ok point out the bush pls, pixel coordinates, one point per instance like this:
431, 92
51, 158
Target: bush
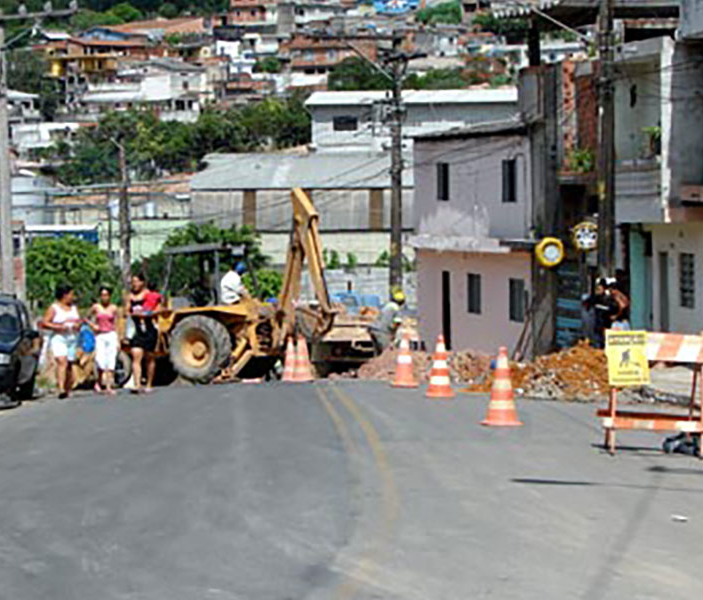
69, 260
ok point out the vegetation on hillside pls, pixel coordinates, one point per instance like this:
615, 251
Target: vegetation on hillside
156, 147
446, 12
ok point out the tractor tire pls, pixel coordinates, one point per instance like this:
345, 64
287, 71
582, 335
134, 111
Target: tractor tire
200, 347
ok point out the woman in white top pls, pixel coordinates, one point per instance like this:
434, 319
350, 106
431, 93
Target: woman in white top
63, 320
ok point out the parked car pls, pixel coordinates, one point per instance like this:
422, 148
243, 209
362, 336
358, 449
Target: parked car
19, 355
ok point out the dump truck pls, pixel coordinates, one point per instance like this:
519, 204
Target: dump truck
250, 336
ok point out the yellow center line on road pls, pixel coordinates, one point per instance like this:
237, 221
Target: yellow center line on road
367, 563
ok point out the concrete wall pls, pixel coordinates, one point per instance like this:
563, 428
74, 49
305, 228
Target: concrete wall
691, 19
419, 118
640, 82
486, 331
350, 209
475, 175
675, 239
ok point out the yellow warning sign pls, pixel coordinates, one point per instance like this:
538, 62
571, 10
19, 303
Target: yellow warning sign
627, 358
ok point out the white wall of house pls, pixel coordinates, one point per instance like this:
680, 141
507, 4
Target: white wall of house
675, 240
475, 180
491, 328
424, 113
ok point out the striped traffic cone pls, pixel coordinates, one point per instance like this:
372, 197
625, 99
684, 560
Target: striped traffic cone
303, 371
501, 408
289, 365
404, 366
440, 385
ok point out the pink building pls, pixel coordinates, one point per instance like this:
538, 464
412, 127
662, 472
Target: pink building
473, 215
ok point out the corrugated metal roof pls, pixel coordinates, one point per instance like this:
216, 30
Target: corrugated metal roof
582, 12
461, 96
285, 171
491, 128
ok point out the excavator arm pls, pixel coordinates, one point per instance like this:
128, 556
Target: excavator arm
305, 243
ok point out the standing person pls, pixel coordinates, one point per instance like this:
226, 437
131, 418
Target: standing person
143, 342
63, 320
104, 312
153, 298
605, 309
231, 287
621, 320
384, 328
588, 319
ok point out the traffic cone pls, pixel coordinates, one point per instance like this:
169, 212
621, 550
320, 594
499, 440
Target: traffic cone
289, 365
501, 408
404, 366
440, 385
303, 372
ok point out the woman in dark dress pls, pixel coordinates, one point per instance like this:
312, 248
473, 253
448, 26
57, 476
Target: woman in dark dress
143, 342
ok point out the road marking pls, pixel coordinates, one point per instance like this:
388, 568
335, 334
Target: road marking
366, 564
368, 561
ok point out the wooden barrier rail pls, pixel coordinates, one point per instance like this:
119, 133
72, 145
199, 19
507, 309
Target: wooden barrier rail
671, 349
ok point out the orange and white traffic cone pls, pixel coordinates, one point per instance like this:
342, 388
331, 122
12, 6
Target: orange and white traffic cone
501, 408
404, 366
440, 385
303, 371
289, 364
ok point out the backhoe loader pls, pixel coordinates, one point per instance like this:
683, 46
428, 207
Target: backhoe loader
250, 336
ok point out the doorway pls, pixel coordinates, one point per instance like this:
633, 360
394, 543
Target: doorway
446, 309
664, 291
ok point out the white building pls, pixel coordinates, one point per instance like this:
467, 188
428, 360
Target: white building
177, 90
344, 121
472, 214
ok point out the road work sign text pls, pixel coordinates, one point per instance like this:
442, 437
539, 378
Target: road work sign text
627, 358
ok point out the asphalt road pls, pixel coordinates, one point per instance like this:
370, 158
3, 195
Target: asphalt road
336, 491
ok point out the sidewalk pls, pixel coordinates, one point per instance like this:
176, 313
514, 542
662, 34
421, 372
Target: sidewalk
673, 381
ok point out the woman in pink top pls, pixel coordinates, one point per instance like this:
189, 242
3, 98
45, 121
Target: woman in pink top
104, 314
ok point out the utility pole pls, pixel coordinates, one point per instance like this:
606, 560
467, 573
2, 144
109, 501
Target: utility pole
398, 66
7, 275
396, 63
125, 219
6, 241
606, 142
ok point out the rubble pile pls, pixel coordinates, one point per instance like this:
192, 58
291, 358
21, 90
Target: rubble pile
469, 366
578, 373
383, 366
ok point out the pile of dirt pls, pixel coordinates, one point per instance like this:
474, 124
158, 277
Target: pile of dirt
579, 373
469, 366
382, 367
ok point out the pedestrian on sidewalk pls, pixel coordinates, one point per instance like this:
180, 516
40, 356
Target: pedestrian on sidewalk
621, 319
605, 308
63, 320
104, 315
145, 338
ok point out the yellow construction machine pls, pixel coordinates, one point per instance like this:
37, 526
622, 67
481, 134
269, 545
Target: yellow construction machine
250, 336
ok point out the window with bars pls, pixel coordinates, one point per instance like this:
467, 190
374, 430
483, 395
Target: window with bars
473, 282
687, 280
517, 300
510, 180
442, 181
345, 123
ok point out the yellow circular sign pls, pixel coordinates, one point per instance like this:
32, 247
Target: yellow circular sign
585, 236
550, 252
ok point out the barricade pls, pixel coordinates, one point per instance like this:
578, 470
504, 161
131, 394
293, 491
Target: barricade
672, 349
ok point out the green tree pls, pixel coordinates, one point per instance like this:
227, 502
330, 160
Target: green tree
354, 73
168, 10
269, 64
81, 264
26, 72
446, 12
514, 30
437, 79
126, 12
185, 277
85, 19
